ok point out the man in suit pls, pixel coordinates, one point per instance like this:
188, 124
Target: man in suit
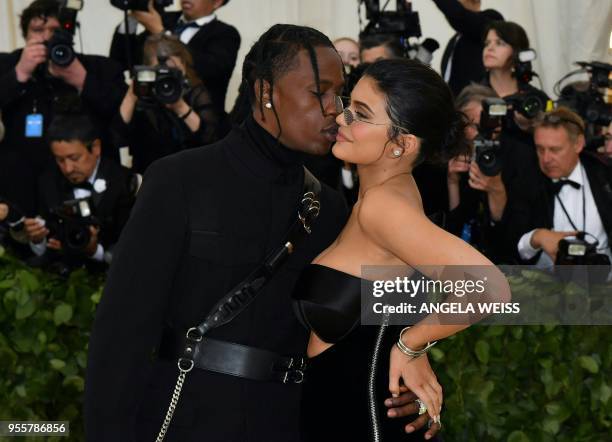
572, 194
34, 89
213, 44
104, 191
462, 59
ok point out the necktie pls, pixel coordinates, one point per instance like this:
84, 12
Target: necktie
556, 187
181, 26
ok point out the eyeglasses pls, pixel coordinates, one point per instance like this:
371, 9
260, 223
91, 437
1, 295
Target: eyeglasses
342, 104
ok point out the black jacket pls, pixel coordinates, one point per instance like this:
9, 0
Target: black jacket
533, 204
155, 131
24, 159
214, 49
111, 207
203, 220
467, 64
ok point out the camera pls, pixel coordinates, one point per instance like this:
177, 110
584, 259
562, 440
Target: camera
60, 47
589, 102
488, 152
161, 83
140, 5
580, 252
527, 104
70, 222
403, 22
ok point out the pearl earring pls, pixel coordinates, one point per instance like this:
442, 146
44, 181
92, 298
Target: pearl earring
397, 152
268, 105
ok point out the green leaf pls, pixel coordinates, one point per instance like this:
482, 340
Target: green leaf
62, 314
589, 364
24, 311
551, 425
75, 381
517, 436
21, 390
436, 354
57, 364
482, 351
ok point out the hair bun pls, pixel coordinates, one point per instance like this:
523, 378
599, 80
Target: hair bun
455, 143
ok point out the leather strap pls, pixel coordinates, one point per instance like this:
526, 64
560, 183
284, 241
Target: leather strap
234, 359
238, 299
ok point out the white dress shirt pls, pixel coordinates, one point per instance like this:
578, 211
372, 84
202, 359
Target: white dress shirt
40, 248
188, 33
572, 200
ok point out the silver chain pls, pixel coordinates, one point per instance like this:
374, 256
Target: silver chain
173, 402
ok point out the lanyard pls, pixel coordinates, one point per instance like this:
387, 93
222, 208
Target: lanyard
583, 207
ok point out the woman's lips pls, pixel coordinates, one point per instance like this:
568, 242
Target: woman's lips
340, 138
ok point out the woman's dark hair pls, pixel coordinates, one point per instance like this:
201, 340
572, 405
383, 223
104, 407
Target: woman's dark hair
38, 9
159, 45
270, 57
73, 127
418, 100
511, 33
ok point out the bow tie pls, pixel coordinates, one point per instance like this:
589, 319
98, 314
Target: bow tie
85, 185
556, 187
181, 26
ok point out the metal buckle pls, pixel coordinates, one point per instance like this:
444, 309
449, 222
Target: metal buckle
192, 330
180, 366
293, 377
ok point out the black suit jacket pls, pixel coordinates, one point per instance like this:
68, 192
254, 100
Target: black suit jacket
214, 49
23, 160
532, 206
467, 64
203, 220
111, 207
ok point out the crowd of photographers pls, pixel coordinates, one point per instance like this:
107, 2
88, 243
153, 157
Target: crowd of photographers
76, 136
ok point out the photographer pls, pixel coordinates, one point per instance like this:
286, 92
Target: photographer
379, 47
462, 58
571, 195
102, 191
503, 43
213, 44
35, 88
183, 117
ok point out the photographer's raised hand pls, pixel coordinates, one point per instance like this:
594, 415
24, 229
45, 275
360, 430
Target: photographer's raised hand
33, 54
150, 19
35, 230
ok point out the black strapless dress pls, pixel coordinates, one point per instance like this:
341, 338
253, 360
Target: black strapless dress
346, 385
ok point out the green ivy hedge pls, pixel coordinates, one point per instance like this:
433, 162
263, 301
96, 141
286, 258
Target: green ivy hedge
514, 384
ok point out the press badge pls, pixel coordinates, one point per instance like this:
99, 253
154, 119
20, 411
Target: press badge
34, 126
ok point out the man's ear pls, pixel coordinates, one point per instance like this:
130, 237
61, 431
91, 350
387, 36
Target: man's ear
265, 99
96, 147
580, 143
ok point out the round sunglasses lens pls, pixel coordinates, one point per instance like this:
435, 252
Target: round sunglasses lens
339, 104
348, 116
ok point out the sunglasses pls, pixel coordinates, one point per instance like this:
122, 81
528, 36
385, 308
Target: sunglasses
342, 104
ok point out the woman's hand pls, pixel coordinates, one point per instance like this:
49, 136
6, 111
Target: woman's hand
418, 376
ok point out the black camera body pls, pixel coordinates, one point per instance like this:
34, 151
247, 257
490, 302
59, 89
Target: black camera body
161, 83
403, 22
580, 252
140, 5
70, 222
527, 104
60, 47
488, 152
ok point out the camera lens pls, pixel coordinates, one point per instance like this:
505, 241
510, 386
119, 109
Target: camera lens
61, 55
77, 237
531, 106
168, 90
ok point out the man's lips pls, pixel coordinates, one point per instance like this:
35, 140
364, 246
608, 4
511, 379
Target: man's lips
330, 132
